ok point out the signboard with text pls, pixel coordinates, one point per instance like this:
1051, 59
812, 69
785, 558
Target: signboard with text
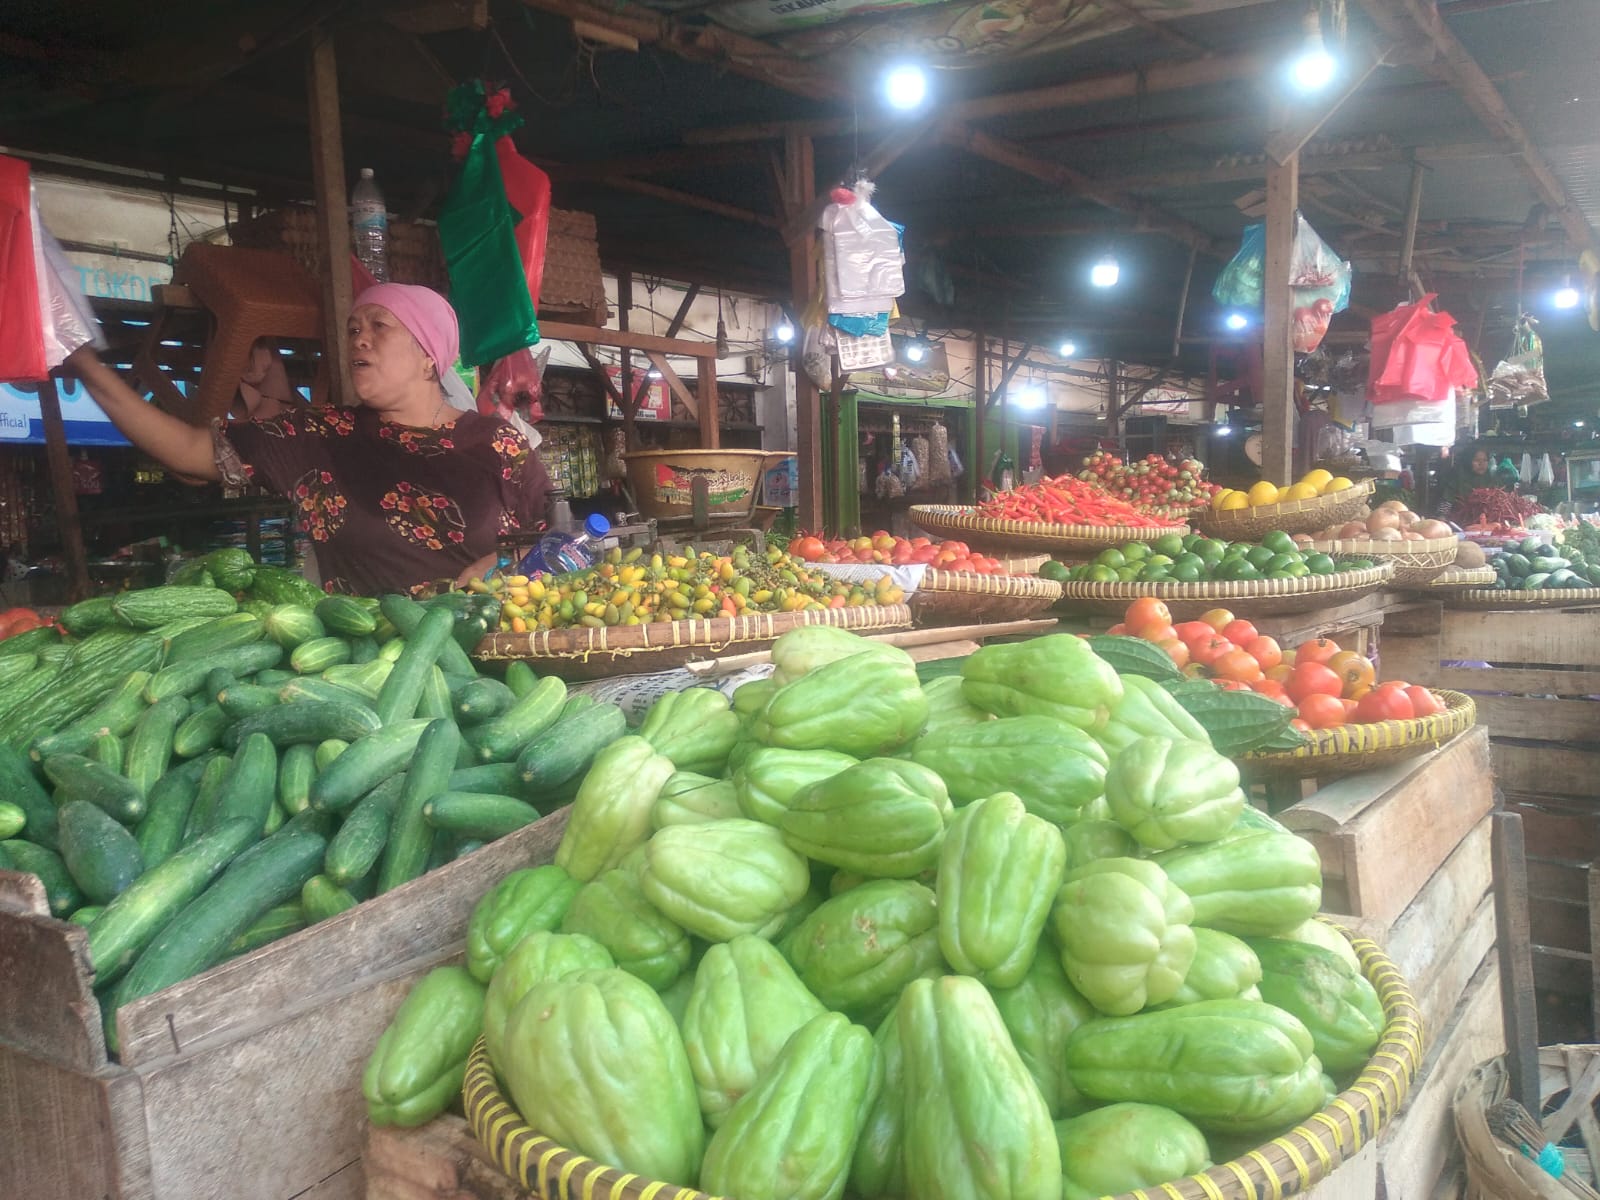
86, 425
656, 404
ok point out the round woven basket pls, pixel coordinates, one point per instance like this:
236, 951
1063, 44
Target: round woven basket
1250, 597
1291, 516
1496, 1171
1455, 577
1418, 562
952, 597
1505, 598
584, 653
991, 533
1351, 748
1285, 1166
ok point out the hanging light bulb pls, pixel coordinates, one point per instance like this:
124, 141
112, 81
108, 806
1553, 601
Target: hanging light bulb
1313, 68
905, 87
1566, 295
1236, 321
1067, 349
784, 332
1106, 272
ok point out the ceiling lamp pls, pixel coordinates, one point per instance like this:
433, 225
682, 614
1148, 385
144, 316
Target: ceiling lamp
784, 332
1236, 321
1067, 349
1313, 68
1567, 296
905, 87
1030, 397
1106, 272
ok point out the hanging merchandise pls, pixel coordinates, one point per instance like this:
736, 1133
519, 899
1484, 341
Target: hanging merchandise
1416, 356
1519, 378
1319, 281
1239, 284
939, 455
1547, 473
864, 264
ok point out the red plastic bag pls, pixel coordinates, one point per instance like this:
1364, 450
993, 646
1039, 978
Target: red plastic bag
22, 357
528, 190
1416, 355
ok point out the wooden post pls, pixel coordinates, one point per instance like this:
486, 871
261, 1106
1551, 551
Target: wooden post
333, 214
800, 186
1114, 405
706, 393
1277, 359
980, 411
1408, 239
59, 462
1516, 957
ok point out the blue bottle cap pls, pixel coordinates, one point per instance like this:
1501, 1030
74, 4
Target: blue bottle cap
597, 525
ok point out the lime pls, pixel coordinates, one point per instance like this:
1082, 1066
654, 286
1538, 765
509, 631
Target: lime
1356, 564
1209, 550
1134, 551
1100, 573
1188, 571
1159, 560
1247, 570
1111, 557
1279, 564
1128, 574
1051, 569
1189, 540
1259, 556
1170, 544
1320, 564
1188, 560
1297, 570
1278, 541
1154, 574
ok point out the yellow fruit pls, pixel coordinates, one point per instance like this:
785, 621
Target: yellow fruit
1218, 497
1337, 484
1317, 478
1234, 500
1262, 493
1301, 491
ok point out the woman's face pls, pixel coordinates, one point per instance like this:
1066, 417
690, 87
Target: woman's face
386, 362
1480, 462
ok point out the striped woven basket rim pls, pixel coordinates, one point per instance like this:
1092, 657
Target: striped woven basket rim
712, 634
1505, 598
1423, 553
974, 584
955, 516
1285, 1166
1381, 737
1235, 589
1462, 577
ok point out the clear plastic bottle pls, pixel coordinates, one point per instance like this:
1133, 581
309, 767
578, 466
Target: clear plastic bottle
558, 552
369, 226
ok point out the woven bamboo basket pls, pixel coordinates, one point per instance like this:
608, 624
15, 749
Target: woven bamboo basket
1285, 1166
1291, 516
1460, 577
1567, 1084
991, 533
1023, 564
1414, 562
1351, 748
584, 653
1249, 598
1505, 598
953, 597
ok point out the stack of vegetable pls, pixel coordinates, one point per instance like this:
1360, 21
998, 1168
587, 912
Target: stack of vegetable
1155, 484
1010, 933
1534, 564
1065, 500
196, 775
1194, 558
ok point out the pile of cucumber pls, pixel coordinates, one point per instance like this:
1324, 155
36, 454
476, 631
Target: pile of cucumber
1537, 566
243, 770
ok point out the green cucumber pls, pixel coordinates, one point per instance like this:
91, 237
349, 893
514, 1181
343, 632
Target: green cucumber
147, 608
410, 836
478, 700
88, 616
87, 915
60, 891
276, 818
291, 624
367, 763
363, 649
279, 585
406, 615
117, 714
101, 856
274, 677
217, 681
170, 800
391, 650
108, 750
500, 778
251, 788
311, 721
520, 678
224, 633
310, 687
20, 786
326, 752
317, 655
366, 678
241, 700
78, 778
467, 847
130, 921
581, 702
277, 922
297, 767
150, 745
266, 874
12, 820
232, 567
182, 678
322, 898
200, 731
30, 641
358, 845
501, 739
402, 690
345, 616
478, 814
564, 751
435, 700
14, 666
208, 795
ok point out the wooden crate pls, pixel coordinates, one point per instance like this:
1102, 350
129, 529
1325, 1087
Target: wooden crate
243, 1081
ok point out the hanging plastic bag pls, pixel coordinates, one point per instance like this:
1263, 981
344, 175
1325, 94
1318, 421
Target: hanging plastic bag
1416, 355
1313, 265
1309, 318
1547, 473
1315, 271
513, 390
865, 265
1240, 283
21, 319
1519, 378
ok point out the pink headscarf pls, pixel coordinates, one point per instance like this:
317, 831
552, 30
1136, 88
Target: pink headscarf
425, 314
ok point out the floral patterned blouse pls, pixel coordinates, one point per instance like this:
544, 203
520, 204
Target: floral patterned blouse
390, 507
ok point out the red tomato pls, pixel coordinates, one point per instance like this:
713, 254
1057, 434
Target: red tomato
1189, 630
1264, 650
1272, 690
1318, 650
1231, 685
1157, 633
1119, 630
1300, 725
1218, 618
1147, 611
1207, 653
1350, 707
1240, 631
924, 554
1176, 651
1355, 669
1320, 711
809, 548
1311, 679
1281, 672
1238, 665
917, 543
1387, 702
901, 555
1423, 702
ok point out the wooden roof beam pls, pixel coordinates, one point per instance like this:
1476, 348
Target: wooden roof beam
1417, 23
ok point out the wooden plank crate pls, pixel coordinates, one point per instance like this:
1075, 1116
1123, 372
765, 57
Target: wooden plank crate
1544, 735
243, 1081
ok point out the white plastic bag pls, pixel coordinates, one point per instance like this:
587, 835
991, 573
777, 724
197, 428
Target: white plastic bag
865, 265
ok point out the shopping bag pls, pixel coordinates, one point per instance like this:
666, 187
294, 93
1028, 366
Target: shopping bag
1416, 355
22, 357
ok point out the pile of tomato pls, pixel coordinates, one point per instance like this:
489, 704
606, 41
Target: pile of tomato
1152, 482
1326, 685
885, 548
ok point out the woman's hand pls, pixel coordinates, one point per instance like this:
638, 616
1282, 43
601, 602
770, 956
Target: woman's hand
477, 570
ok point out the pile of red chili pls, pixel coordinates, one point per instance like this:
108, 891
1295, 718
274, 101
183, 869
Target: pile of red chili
1489, 505
1065, 500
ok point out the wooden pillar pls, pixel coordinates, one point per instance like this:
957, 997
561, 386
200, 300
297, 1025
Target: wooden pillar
1277, 358
800, 186
705, 392
59, 462
333, 213
1114, 404
980, 412
1408, 238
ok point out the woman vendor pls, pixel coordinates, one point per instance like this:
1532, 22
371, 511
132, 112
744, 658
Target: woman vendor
402, 490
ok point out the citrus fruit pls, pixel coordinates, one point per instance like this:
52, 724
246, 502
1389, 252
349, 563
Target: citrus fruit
1337, 484
1265, 492
1220, 495
1317, 478
1301, 491
1234, 500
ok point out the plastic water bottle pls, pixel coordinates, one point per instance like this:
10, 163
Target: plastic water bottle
369, 226
558, 553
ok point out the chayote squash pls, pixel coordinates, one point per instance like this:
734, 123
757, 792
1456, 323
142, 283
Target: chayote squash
420, 1059
878, 1168
1251, 883
1124, 934
1224, 968
859, 949
1088, 840
947, 707
1127, 1146
1040, 1013
978, 1130
640, 937
695, 728
745, 1004
723, 878
1167, 793
865, 705
883, 817
539, 956
1056, 676
611, 814
1339, 1007
770, 778
594, 1061
1055, 768
802, 651
792, 1136
676, 995
691, 799
1230, 1066
1316, 932
1148, 710
999, 871
524, 901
